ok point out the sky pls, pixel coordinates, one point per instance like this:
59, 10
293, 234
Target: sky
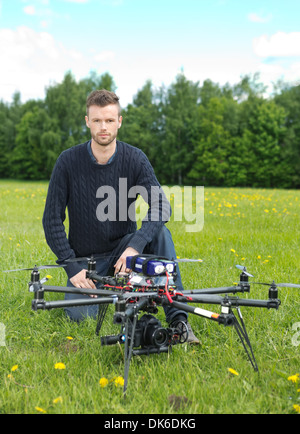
139, 40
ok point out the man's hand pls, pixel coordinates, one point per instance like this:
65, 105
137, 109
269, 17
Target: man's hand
80, 281
120, 265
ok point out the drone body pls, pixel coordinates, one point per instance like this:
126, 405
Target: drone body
151, 284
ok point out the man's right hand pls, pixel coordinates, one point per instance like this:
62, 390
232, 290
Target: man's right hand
80, 281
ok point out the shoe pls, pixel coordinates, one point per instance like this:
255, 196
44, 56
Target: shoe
192, 339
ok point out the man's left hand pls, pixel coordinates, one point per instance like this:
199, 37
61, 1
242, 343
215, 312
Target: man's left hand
120, 265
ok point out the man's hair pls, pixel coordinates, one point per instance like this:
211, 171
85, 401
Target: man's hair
102, 98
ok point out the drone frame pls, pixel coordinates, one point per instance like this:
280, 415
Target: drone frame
136, 301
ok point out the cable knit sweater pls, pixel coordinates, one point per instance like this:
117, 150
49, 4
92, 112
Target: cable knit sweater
80, 185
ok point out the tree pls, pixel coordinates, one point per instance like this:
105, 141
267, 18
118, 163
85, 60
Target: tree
28, 161
141, 124
289, 100
262, 142
211, 145
179, 122
10, 116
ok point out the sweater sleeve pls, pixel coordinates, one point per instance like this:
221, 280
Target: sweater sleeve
159, 211
54, 217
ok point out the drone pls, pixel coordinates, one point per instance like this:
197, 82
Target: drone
150, 284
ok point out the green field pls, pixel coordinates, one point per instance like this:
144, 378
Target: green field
256, 228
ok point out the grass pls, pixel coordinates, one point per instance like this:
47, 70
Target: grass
256, 228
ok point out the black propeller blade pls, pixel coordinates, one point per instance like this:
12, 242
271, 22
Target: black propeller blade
279, 285
36, 268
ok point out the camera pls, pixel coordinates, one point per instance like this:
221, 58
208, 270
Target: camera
149, 335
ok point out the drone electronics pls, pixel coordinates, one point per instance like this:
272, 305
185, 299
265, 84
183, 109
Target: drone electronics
151, 283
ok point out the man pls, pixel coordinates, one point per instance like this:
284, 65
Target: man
99, 182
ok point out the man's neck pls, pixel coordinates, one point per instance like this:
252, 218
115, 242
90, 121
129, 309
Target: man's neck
103, 153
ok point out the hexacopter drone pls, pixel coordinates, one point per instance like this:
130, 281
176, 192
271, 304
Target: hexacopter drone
152, 283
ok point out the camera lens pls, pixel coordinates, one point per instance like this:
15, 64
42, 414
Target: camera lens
160, 337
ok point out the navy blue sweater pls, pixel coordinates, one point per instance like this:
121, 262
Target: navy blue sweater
81, 185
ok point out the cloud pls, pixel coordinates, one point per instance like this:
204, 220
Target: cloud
255, 18
104, 56
34, 60
29, 10
278, 45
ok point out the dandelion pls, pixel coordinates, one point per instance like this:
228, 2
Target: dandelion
296, 408
60, 366
14, 368
57, 400
232, 250
40, 410
119, 381
232, 371
294, 378
69, 338
103, 382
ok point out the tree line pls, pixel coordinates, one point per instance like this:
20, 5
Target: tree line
193, 134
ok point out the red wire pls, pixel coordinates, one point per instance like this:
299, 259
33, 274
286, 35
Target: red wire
167, 291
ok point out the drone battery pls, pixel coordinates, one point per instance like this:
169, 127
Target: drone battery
153, 267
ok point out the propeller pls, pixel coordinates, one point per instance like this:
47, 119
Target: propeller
92, 258
35, 268
84, 258
279, 285
244, 270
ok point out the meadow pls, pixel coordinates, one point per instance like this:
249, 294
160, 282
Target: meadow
50, 365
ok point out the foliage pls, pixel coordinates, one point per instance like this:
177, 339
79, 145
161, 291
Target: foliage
193, 134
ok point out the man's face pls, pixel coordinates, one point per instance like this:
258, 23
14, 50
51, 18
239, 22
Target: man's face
104, 123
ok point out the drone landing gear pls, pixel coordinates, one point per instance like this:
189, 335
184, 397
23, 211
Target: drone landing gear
240, 328
101, 315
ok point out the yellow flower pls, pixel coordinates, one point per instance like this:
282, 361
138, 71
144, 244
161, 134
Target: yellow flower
232, 250
57, 400
294, 378
232, 371
69, 338
14, 368
297, 408
40, 410
60, 366
119, 381
103, 382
